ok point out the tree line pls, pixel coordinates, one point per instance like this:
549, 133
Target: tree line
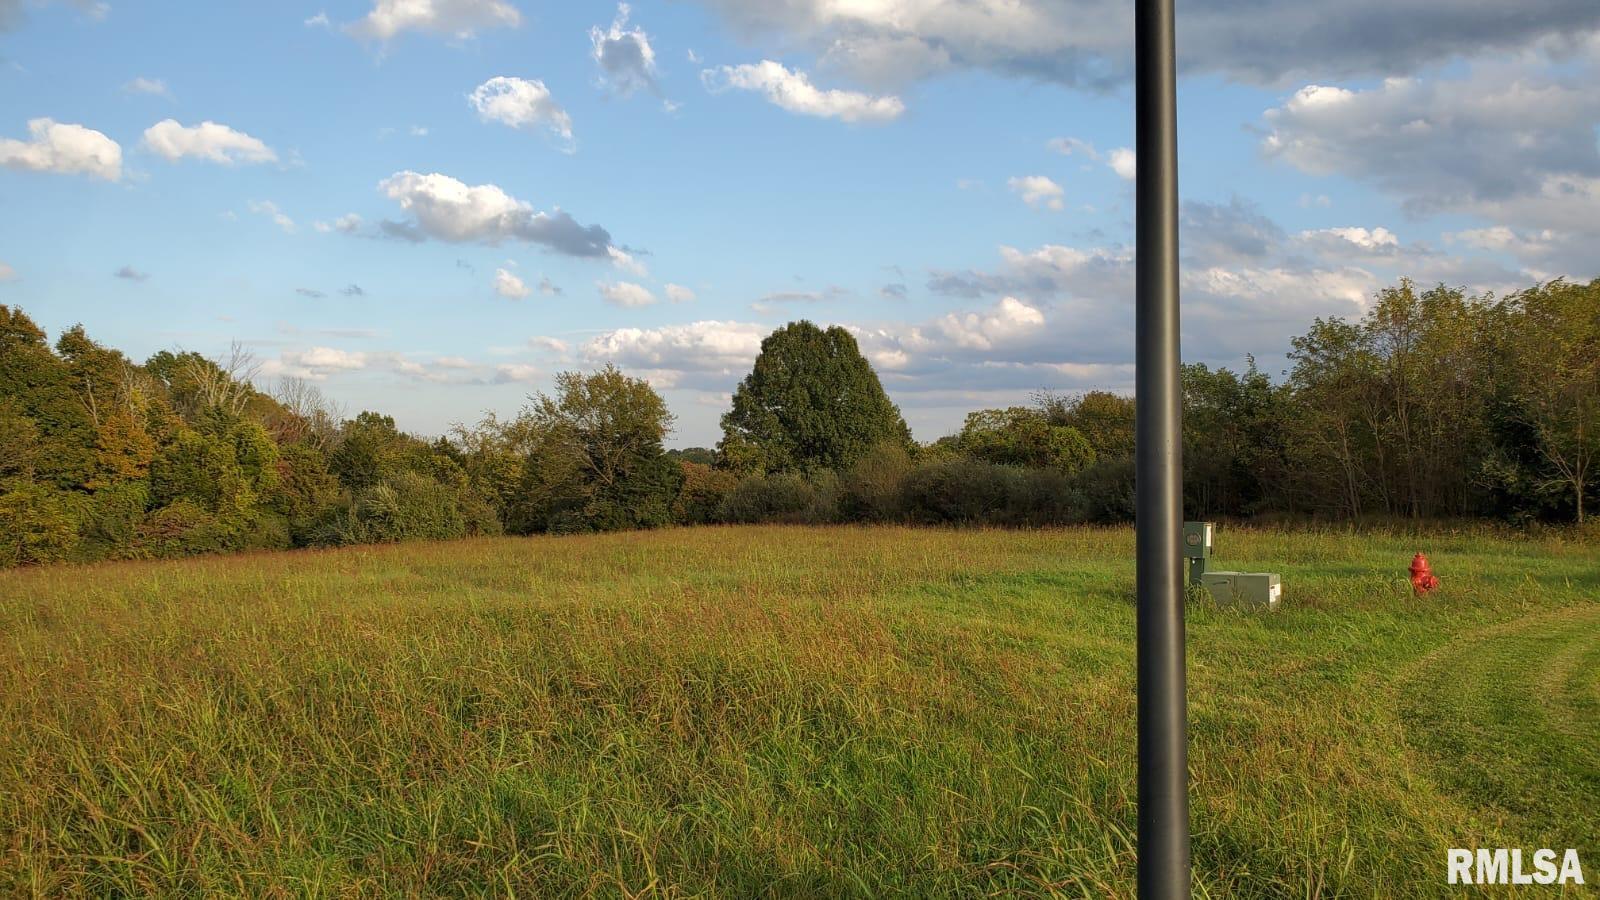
1435, 403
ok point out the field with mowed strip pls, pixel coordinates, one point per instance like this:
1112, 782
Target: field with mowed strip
797, 712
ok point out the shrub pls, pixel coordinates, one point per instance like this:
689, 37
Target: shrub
771, 498
36, 526
871, 490
961, 491
181, 528
1107, 490
111, 518
703, 493
407, 506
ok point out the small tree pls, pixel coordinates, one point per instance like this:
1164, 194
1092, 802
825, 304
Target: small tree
596, 460
811, 402
1555, 356
1020, 436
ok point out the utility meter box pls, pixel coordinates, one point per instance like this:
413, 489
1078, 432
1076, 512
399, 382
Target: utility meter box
1258, 589
1197, 540
1197, 547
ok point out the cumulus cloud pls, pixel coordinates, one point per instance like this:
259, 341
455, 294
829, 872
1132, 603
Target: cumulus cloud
142, 85
345, 224
7, 273
1038, 191
1121, 160
63, 149
627, 262
1512, 145
624, 293
445, 209
209, 141
627, 61
677, 293
707, 348
1124, 162
509, 286
794, 92
270, 210
508, 373
459, 19
129, 273
520, 103
1088, 42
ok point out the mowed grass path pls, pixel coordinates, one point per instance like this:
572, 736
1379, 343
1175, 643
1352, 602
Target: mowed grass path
796, 712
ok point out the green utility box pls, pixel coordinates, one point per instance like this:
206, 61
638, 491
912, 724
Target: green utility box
1197, 547
1259, 589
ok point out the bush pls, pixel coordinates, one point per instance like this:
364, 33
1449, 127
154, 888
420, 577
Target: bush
703, 493
111, 518
871, 490
1107, 491
407, 506
36, 526
1046, 497
786, 498
961, 491
182, 528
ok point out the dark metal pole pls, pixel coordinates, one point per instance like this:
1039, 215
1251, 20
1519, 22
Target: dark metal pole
1163, 716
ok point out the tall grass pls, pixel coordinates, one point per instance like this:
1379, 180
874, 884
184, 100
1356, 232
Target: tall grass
772, 711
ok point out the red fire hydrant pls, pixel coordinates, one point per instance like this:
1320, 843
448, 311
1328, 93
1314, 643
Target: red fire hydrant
1422, 578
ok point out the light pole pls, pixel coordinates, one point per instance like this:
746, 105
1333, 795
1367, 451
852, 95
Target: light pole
1163, 715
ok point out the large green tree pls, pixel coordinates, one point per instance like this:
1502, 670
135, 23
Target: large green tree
595, 459
1552, 357
811, 402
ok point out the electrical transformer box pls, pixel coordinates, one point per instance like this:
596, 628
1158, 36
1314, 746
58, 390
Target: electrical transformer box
1259, 589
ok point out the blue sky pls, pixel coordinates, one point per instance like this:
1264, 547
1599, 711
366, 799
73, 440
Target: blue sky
429, 207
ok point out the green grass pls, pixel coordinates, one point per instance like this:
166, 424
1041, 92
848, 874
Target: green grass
799, 712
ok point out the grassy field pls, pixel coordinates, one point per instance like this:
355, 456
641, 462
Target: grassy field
800, 712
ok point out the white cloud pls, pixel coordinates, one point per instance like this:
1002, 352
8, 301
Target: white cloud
320, 20
142, 85
794, 92
7, 273
1367, 239
209, 141
1120, 160
459, 19
448, 210
319, 362
677, 293
1124, 162
348, 223
1011, 318
507, 373
550, 345
1071, 146
509, 285
706, 347
269, 209
1086, 42
63, 149
628, 263
624, 293
1427, 143
627, 61
520, 103
1037, 191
